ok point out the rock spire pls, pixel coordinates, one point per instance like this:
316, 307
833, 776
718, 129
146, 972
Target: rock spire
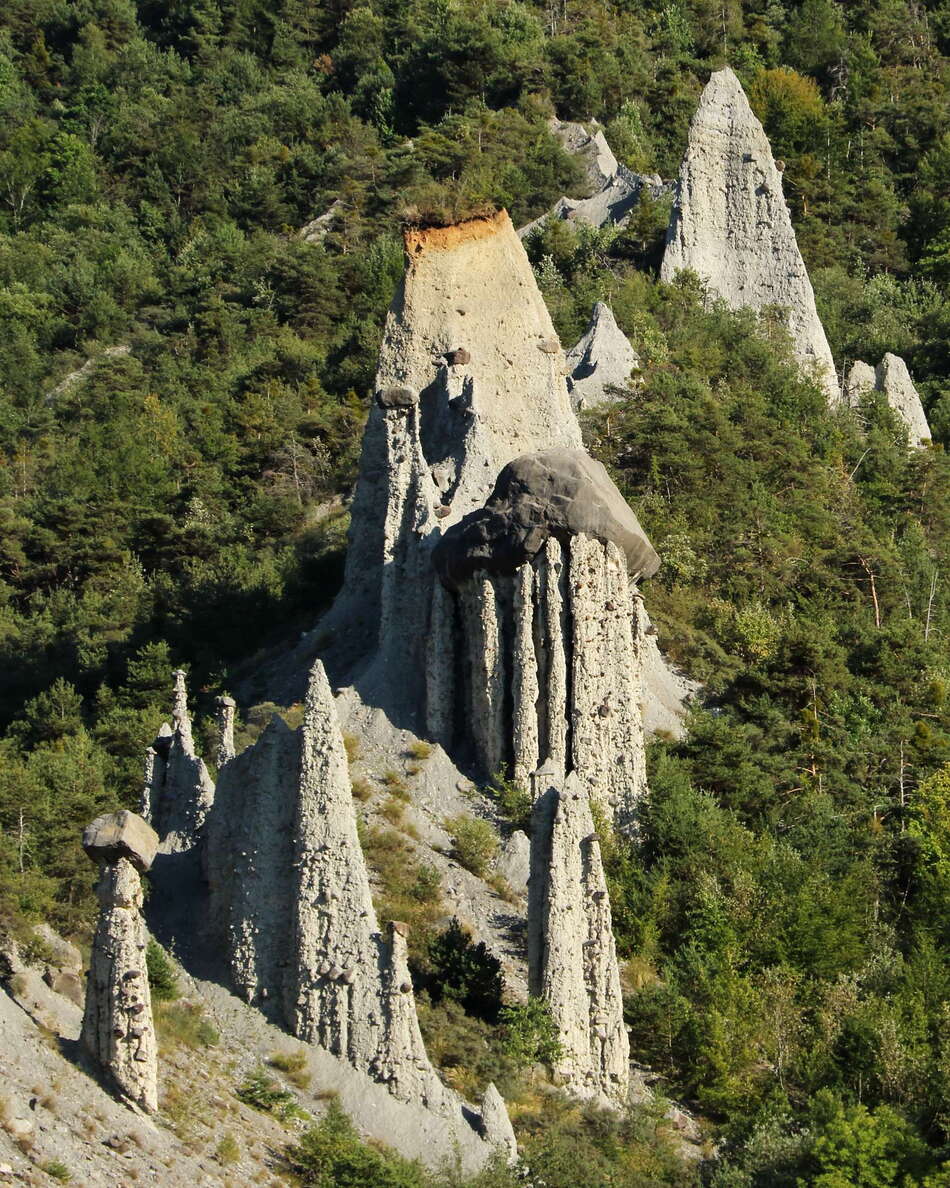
178, 791
730, 223
290, 903
892, 379
600, 360
225, 708
572, 960
117, 1027
471, 375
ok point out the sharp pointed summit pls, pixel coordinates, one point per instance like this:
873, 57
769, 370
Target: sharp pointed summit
731, 225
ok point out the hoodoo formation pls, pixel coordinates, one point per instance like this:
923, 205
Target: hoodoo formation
730, 223
117, 1028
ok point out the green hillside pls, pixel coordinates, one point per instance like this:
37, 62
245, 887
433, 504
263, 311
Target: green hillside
786, 911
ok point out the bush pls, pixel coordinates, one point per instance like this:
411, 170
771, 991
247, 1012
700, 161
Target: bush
260, 1090
183, 1023
332, 1155
464, 972
529, 1033
475, 843
161, 973
514, 801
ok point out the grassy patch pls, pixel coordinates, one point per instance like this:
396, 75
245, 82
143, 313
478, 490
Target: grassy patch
293, 1065
182, 1024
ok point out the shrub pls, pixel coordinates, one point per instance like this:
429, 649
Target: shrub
475, 843
529, 1033
513, 800
465, 972
183, 1023
260, 1090
332, 1155
161, 973
293, 1065
57, 1170
227, 1151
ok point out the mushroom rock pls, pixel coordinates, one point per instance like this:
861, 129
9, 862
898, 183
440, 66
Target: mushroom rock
730, 223
893, 379
560, 492
572, 960
468, 332
602, 359
551, 652
117, 1027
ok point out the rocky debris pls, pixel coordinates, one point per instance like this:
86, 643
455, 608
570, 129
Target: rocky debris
121, 835
224, 751
548, 664
591, 150
117, 1028
81, 373
496, 1125
560, 492
611, 191
601, 360
514, 861
730, 223
425, 465
178, 791
282, 842
572, 960
317, 229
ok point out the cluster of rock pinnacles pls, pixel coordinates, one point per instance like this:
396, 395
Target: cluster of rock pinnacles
490, 605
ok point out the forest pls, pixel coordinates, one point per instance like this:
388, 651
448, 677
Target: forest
183, 383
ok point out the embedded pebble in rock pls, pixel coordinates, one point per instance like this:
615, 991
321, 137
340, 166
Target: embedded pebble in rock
730, 224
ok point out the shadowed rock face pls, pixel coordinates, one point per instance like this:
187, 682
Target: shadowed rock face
557, 493
731, 226
601, 359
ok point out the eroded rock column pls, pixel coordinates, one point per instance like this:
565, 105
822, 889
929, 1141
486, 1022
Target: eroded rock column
117, 1028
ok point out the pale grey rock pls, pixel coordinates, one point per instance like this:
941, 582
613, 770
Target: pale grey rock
607, 750
426, 466
316, 230
601, 360
178, 789
591, 149
514, 861
290, 904
571, 952
81, 373
553, 672
556, 492
62, 954
121, 835
610, 206
496, 1125
893, 379
730, 224
117, 1027
441, 652
224, 750
859, 381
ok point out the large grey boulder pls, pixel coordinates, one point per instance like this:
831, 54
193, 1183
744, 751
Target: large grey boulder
730, 224
559, 493
121, 835
893, 380
601, 360
591, 150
